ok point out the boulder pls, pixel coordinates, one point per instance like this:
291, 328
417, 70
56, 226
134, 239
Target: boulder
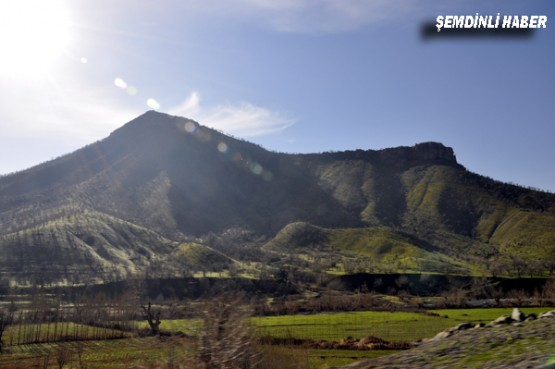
549, 314
517, 315
463, 326
531, 317
502, 320
362, 346
442, 335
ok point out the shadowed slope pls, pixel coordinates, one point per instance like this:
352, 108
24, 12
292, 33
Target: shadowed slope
130, 199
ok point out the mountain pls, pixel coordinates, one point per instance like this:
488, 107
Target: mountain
161, 187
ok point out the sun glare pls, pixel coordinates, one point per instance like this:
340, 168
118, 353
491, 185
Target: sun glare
33, 34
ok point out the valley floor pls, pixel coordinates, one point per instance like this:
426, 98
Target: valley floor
521, 345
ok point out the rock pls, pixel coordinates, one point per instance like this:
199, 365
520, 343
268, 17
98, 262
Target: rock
518, 315
463, 326
434, 151
345, 341
502, 320
362, 346
531, 317
549, 314
442, 335
479, 325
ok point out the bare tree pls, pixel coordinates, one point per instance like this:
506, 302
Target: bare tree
518, 297
153, 319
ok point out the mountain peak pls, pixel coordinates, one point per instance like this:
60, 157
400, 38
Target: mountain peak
148, 120
160, 180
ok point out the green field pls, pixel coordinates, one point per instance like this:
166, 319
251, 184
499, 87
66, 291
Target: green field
105, 354
43, 332
157, 353
484, 315
391, 326
301, 358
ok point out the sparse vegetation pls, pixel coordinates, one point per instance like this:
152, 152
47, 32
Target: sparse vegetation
129, 204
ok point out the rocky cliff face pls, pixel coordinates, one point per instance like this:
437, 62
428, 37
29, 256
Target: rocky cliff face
426, 153
435, 151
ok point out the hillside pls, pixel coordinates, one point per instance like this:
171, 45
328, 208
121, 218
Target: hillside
518, 346
127, 202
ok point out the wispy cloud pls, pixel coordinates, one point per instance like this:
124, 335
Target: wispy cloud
315, 16
307, 16
188, 108
243, 119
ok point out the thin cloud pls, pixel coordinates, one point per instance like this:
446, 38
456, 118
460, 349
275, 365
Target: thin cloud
190, 107
308, 16
327, 16
244, 119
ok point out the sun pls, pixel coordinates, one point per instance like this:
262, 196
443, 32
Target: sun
33, 34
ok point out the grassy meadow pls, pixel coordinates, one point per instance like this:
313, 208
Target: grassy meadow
391, 326
170, 352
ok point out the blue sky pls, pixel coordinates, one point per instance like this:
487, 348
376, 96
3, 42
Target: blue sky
290, 75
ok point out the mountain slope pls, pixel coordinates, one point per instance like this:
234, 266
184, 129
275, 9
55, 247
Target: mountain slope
127, 202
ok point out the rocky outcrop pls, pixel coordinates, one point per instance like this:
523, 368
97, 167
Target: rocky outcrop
435, 151
517, 315
549, 314
501, 320
493, 346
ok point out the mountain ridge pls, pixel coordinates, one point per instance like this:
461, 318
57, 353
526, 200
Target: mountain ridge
183, 182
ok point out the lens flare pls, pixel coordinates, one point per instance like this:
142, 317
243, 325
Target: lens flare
190, 127
257, 169
153, 104
118, 82
132, 90
222, 147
